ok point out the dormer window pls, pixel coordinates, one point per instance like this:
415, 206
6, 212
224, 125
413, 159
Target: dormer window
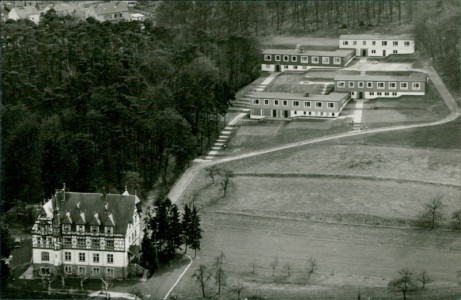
80, 228
66, 228
94, 229
109, 230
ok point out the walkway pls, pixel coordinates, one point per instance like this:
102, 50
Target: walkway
357, 125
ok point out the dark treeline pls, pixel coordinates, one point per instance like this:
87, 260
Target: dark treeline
107, 104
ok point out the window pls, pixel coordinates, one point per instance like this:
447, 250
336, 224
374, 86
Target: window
284, 102
341, 84
373, 43
110, 272
67, 241
304, 59
81, 243
364, 43
95, 271
295, 112
395, 51
109, 230
372, 93
285, 67
94, 229
256, 101
337, 60
373, 51
44, 271
45, 256
325, 60
346, 43
318, 104
384, 43
95, 243
386, 94
361, 84
286, 58
394, 94
96, 257
354, 43
406, 43
392, 85
351, 84
331, 105
67, 256
416, 85
109, 244
68, 269
310, 113
369, 84
66, 228
307, 104
81, 270
267, 57
332, 114
296, 103
315, 59
379, 93
110, 258
80, 228
295, 67
276, 102
395, 43
277, 58
81, 256
266, 101
404, 85
294, 58
380, 85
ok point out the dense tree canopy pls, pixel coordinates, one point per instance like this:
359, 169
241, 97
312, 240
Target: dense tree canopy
87, 102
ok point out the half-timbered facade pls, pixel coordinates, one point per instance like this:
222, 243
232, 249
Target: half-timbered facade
378, 44
363, 86
87, 234
288, 105
280, 60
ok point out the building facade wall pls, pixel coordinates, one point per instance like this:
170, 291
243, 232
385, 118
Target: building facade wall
376, 48
384, 88
285, 108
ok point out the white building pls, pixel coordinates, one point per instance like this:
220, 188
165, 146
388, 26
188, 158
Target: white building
87, 234
378, 44
26, 12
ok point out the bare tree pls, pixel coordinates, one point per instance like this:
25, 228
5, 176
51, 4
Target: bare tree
311, 267
225, 181
423, 278
404, 284
456, 217
237, 289
432, 213
201, 276
212, 172
220, 278
274, 264
288, 267
254, 264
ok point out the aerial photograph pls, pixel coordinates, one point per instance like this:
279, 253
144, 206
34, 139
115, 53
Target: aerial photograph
241, 150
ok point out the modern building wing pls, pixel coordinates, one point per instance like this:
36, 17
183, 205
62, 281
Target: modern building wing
378, 44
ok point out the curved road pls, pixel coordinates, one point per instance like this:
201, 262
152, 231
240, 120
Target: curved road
181, 185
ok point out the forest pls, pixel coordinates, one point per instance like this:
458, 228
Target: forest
99, 105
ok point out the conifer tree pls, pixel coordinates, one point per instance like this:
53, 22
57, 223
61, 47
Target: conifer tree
186, 226
196, 233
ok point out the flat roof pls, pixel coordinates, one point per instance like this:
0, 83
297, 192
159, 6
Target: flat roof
392, 77
339, 52
376, 37
334, 97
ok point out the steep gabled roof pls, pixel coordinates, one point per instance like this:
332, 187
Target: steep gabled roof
26, 11
81, 208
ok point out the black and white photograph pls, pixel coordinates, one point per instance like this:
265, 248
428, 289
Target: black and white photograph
230, 150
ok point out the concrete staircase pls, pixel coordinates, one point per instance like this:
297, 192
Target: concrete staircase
221, 142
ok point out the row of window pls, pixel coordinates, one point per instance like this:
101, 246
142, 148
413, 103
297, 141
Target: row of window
93, 229
373, 43
81, 257
380, 94
305, 113
304, 59
95, 271
393, 52
318, 104
380, 85
95, 242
